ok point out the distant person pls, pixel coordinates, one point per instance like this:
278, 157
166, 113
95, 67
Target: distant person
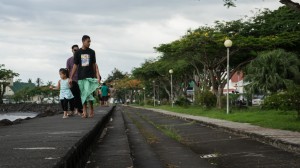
104, 94
65, 95
100, 96
112, 93
74, 86
85, 63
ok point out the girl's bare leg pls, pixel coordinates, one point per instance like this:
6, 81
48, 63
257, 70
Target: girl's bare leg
65, 114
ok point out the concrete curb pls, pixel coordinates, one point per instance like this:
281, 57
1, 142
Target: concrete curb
78, 154
282, 139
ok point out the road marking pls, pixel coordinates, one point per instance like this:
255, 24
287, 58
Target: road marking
52, 158
209, 156
37, 148
64, 132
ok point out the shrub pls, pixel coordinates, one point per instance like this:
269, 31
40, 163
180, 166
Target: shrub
183, 102
165, 102
206, 99
286, 101
149, 102
279, 101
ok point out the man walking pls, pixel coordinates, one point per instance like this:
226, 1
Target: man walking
104, 94
85, 62
74, 86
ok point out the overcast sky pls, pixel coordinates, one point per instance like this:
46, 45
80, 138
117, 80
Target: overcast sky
36, 35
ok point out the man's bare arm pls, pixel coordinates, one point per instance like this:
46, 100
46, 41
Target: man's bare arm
98, 73
74, 69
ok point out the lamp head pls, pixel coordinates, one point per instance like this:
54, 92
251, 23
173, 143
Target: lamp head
228, 43
171, 71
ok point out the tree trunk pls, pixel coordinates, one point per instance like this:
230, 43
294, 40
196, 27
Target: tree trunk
167, 91
1, 101
2, 91
219, 97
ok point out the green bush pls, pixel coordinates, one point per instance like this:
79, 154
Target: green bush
273, 102
206, 99
224, 101
149, 102
165, 102
183, 102
279, 101
285, 101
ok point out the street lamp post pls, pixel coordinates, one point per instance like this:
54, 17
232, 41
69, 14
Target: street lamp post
144, 95
153, 92
171, 72
227, 44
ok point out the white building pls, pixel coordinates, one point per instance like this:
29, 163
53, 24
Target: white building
236, 83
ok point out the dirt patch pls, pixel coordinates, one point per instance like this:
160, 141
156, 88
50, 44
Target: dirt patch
43, 110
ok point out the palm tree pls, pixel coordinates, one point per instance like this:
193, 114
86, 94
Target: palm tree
272, 71
39, 82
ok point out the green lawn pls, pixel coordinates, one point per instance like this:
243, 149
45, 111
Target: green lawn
253, 115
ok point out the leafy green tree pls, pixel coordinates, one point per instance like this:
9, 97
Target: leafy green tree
5, 76
115, 78
158, 71
127, 87
266, 30
115, 75
272, 71
204, 49
22, 95
289, 3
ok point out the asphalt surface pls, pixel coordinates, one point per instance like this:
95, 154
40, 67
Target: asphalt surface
112, 148
169, 151
46, 142
158, 140
134, 138
283, 139
218, 147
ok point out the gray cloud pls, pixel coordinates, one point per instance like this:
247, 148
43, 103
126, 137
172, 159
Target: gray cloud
36, 35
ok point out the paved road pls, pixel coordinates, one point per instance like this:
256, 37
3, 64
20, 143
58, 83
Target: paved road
134, 137
158, 140
283, 139
49, 141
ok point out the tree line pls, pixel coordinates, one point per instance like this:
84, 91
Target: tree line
26, 93
265, 48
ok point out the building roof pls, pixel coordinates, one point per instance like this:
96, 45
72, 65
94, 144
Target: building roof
17, 86
238, 76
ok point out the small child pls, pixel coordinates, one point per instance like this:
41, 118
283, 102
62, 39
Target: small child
66, 97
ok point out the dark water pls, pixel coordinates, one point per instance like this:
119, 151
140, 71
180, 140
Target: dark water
17, 115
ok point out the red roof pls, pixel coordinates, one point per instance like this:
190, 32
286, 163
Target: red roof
237, 76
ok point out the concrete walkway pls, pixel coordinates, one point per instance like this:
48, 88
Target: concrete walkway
112, 150
50, 141
286, 140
